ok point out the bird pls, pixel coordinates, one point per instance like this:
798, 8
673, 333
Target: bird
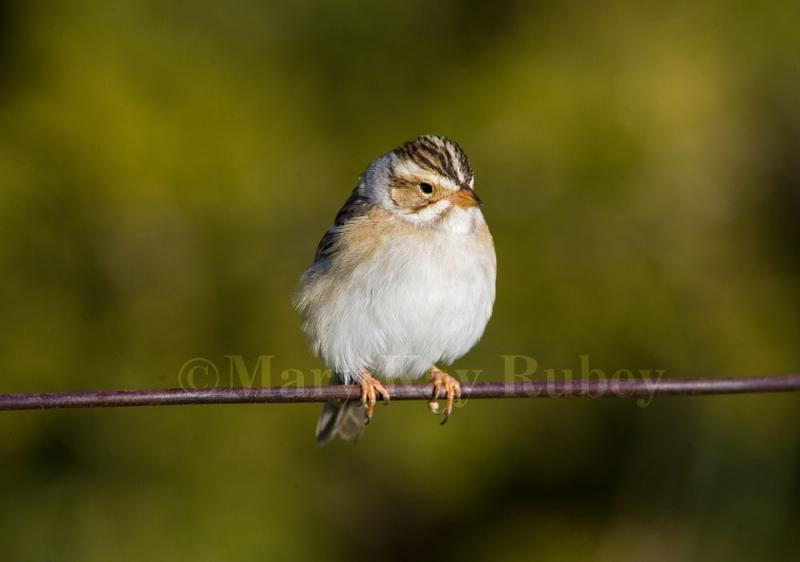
402, 282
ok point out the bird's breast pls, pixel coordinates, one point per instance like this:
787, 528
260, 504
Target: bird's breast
396, 298
429, 295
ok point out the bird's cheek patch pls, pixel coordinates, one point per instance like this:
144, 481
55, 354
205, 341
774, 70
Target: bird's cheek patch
408, 199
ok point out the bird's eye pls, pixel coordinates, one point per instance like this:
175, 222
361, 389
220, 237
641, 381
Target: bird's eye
426, 188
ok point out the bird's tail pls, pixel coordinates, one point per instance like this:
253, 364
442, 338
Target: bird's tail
345, 418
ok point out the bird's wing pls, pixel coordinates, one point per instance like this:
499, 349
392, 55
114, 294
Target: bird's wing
356, 205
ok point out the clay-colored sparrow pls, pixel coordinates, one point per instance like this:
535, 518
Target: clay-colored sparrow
404, 279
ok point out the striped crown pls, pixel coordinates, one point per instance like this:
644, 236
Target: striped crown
438, 155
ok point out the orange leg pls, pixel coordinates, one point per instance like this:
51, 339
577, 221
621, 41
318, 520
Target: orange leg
370, 388
452, 390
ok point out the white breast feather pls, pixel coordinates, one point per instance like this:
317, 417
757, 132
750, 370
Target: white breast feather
417, 301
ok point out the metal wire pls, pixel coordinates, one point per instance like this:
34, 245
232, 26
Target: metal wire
518, 389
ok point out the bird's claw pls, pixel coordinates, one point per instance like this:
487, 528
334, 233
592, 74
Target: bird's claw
370, 388
452, 390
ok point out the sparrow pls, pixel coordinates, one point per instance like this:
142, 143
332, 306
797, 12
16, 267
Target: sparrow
403, 280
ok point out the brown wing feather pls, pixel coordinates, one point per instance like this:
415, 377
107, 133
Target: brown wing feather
356, 205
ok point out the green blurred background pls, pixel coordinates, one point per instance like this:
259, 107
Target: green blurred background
167, 168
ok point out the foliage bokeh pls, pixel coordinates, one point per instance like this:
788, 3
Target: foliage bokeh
166, 170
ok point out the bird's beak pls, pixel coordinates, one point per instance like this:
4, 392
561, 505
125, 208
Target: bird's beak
465, 197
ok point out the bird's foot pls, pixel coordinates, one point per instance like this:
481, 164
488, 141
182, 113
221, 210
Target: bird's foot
452, 390
370, 388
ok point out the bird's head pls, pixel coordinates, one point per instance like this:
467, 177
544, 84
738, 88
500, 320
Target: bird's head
424, 181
